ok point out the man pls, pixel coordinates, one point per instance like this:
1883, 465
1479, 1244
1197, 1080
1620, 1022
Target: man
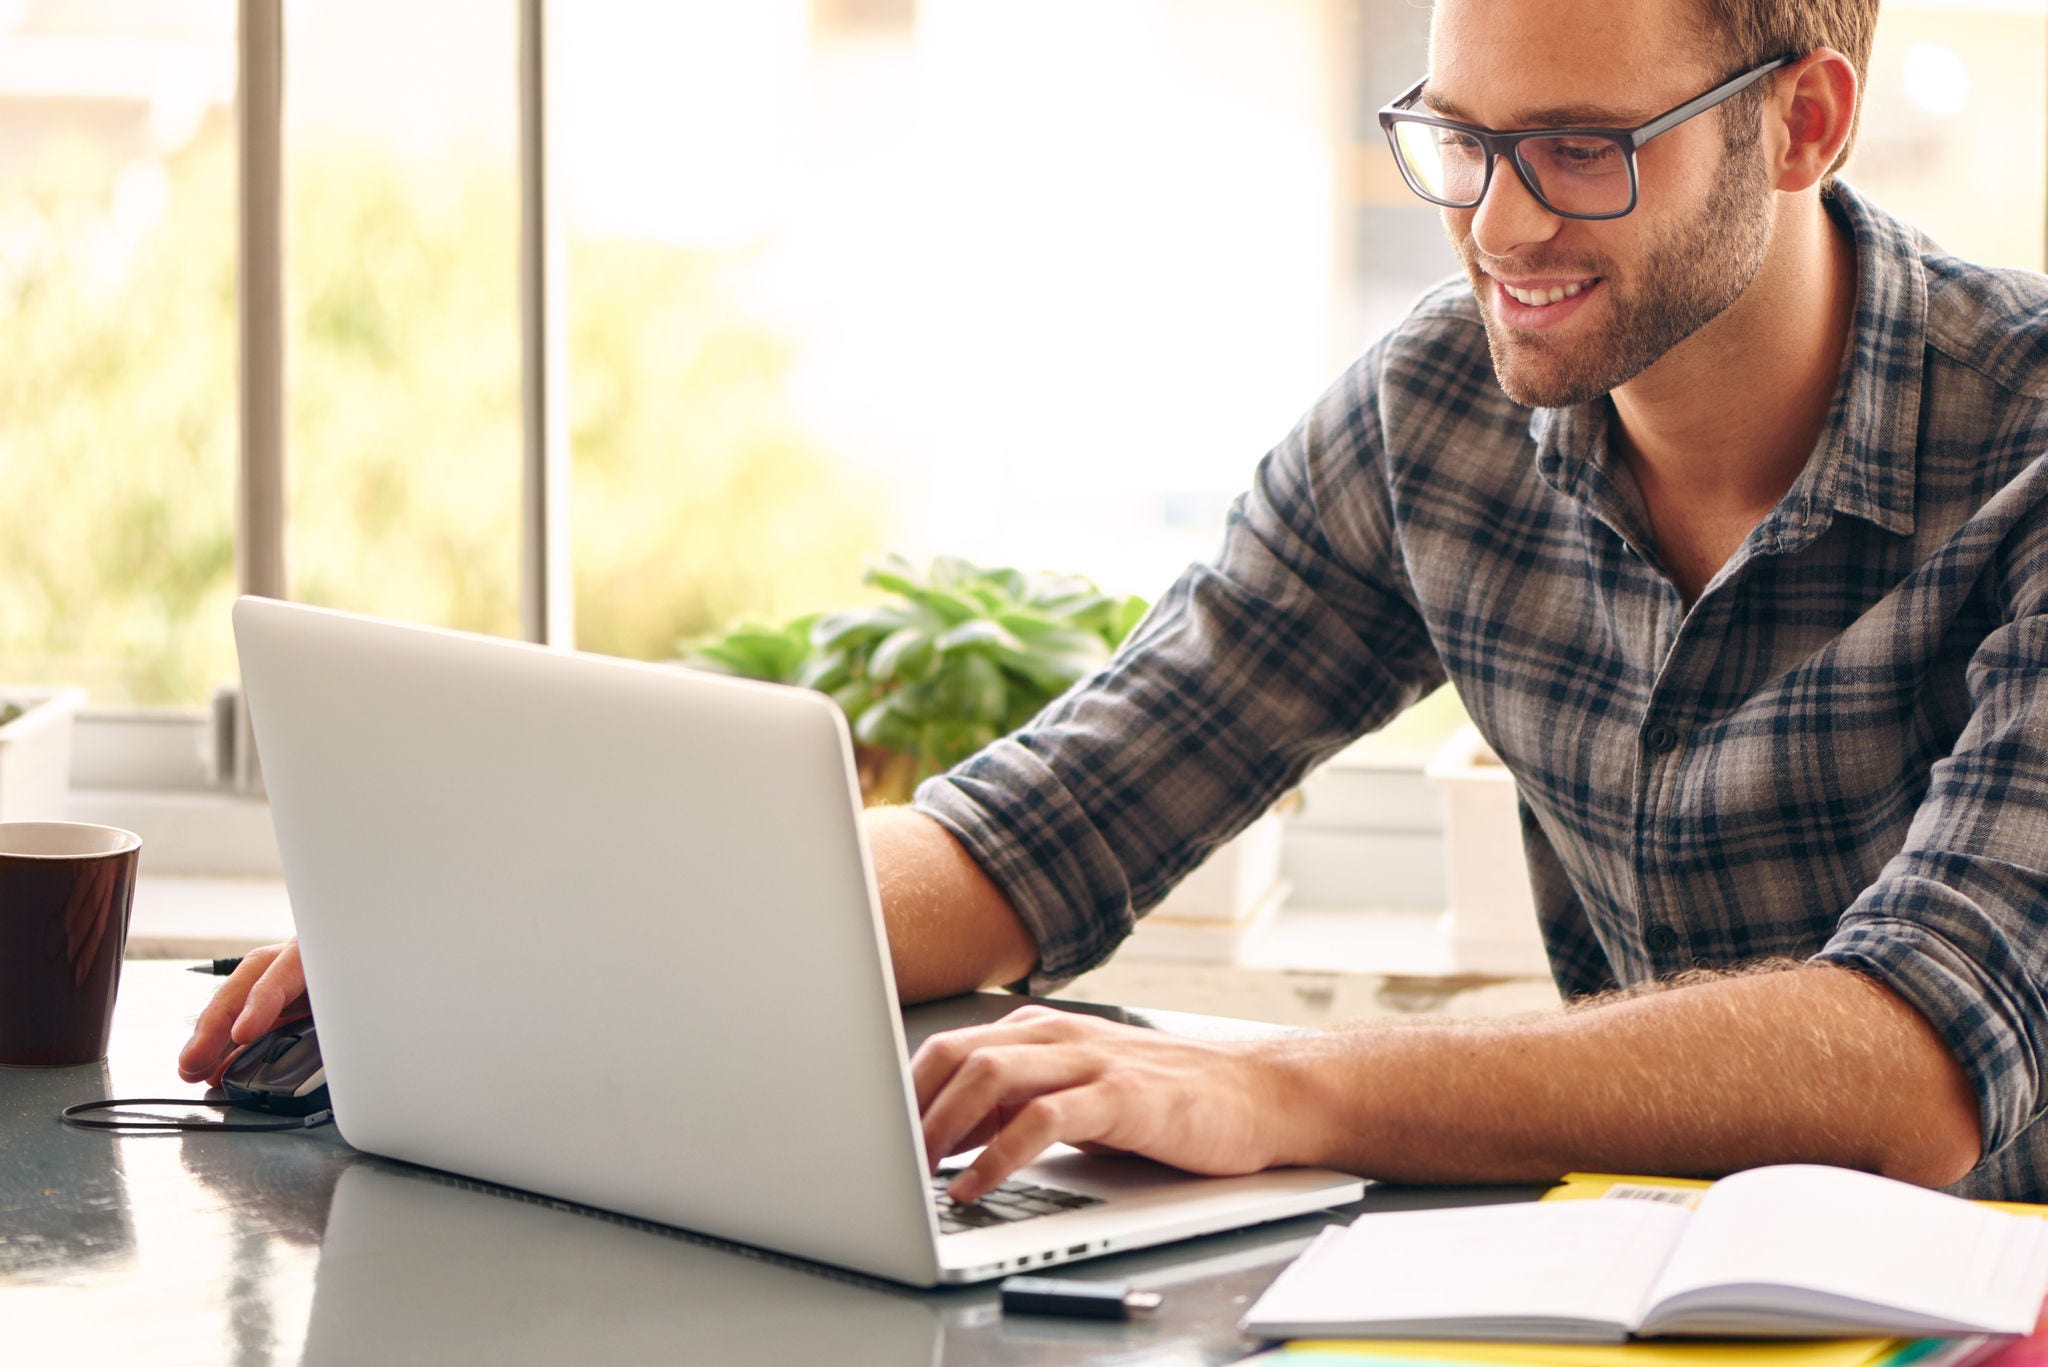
1716, 494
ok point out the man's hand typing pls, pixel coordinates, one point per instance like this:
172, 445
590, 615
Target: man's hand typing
1040, 1077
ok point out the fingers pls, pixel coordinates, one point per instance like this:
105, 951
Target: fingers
997, 1078
938, 1057
1043, 1077
283, 982
1014, 1085
237, 1007
1076, 1114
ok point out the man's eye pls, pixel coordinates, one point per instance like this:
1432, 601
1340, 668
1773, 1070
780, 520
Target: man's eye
1580, 154
1452, 141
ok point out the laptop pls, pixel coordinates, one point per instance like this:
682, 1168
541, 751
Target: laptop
608, 931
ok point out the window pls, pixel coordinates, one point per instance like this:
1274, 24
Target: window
402, 346
117, 402
1031, 281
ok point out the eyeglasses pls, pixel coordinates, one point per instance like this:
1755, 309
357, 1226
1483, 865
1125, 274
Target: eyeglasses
1573, 172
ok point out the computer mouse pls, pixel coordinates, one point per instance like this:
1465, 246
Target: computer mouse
280, 1073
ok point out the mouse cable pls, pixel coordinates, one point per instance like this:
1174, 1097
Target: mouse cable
72, 1116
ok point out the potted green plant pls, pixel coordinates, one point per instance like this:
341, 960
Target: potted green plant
956, 656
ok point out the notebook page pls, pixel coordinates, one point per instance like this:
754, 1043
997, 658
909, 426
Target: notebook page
1832, 1236
1441, 1272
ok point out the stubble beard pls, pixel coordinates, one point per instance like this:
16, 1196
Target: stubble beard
1683, 284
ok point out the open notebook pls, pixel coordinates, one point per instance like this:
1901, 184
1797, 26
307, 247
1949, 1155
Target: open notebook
1795, 1250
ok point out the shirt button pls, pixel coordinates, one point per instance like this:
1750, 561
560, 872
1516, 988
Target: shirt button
1661, 939
1660, 739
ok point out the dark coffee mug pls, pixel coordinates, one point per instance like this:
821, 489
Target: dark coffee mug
65, 890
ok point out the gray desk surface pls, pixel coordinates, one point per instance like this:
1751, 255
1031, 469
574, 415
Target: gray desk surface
258, 1249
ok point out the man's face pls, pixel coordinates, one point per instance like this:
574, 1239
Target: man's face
1631, 288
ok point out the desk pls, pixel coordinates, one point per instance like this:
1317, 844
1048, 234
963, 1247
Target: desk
256, 1249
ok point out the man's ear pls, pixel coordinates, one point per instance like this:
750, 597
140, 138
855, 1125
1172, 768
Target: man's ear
1811, 111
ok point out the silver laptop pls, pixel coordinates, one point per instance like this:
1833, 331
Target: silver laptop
608, 931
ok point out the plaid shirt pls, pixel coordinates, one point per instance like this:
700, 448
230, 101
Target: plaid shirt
1839, 752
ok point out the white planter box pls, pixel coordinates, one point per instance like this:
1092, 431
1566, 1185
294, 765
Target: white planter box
1226, 902
1492, 917
35, 752
1233, 881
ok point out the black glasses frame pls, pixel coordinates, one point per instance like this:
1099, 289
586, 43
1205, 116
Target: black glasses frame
1498, 145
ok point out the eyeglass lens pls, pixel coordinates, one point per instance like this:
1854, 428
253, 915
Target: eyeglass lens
1572, 174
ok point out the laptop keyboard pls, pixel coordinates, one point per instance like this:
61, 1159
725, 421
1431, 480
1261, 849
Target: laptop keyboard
1009, 1201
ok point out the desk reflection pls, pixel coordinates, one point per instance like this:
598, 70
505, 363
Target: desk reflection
66, 1216
418, 1268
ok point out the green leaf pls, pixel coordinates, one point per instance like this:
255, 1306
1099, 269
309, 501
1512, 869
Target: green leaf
915, 702
717, 660
1129, 612
825, 671
854, 699
1011, 584
857, 626
1080, 611
1048, 592
943, 744
905, 653
952, 572
898, 565
1042, 637
950, 608
894, 581
723, 658
969, 688
776, 650
977, 634
1051, 674
885, 726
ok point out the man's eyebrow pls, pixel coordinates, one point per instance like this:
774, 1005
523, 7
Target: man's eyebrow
1550, 116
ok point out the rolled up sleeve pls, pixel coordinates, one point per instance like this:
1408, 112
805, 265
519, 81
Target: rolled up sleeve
1249, 670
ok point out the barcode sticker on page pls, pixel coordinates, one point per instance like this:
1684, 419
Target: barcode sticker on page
1688, 1197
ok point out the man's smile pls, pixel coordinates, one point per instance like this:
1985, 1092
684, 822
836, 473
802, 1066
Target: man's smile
1541, 301
1540, 293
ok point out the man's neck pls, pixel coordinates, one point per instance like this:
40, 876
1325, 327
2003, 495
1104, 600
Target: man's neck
1717, 431
1720, 427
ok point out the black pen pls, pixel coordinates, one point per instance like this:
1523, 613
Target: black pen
219, 968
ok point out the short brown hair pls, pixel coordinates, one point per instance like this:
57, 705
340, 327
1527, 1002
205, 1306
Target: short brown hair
1747, 33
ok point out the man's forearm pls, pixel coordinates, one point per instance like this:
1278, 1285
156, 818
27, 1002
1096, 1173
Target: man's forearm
1808, 1064
951, 930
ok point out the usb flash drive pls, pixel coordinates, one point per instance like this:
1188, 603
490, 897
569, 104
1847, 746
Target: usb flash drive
1074, 1299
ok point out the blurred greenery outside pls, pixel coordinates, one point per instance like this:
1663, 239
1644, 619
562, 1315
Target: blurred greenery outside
696, 499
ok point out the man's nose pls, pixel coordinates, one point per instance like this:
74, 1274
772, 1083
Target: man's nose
1509, 216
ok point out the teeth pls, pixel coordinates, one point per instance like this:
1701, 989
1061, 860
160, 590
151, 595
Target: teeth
1543, 298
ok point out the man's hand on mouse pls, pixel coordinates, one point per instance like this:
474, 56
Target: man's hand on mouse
268, 987
1040, 1077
